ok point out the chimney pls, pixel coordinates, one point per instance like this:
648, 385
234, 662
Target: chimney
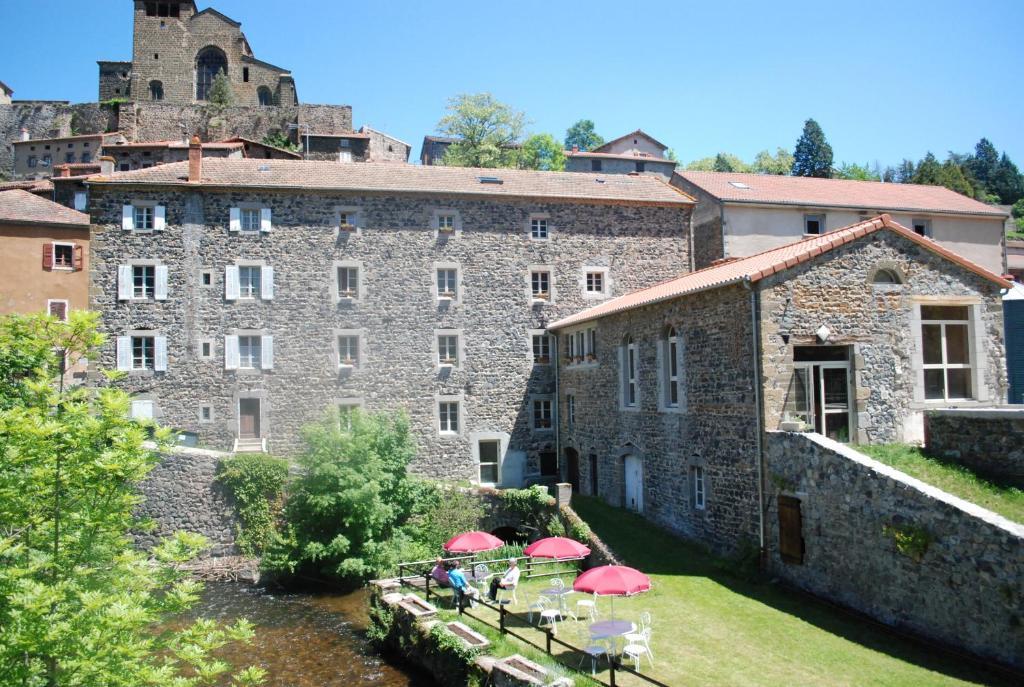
65, 171
24, 134
106, 165
195, 161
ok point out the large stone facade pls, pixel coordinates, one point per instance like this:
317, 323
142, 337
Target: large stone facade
958, 577
397, 315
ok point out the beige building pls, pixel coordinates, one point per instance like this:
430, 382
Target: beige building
44, 248
744, 214
634, 153
36, 158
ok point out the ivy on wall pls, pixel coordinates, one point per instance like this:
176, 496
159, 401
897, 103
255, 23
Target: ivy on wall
256, 482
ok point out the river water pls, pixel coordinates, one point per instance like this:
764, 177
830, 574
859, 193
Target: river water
305, 640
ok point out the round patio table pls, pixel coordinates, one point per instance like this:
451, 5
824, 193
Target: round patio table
606, 629
555, 591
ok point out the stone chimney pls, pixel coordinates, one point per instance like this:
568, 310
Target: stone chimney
195, 160
24, 134
106, 165
65, 171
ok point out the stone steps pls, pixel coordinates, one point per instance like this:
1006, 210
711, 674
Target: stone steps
250, 446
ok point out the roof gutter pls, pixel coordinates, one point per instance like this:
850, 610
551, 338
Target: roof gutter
867, 208
755, 333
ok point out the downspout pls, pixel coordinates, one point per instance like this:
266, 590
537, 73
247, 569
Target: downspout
755, 332
558, 407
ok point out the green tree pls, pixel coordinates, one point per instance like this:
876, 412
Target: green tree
857, 172
984, 163
350, 500
670, 155
813, 155
582, 135
221, 93
487, 132
279, 139
542, 151
722, 162
780, 164
1018, 209
953, 178
928, 171
1006, 182
78, 603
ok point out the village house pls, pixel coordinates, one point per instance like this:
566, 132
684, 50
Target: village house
666, 393
741, 214
634, 153
245, 298
35, 158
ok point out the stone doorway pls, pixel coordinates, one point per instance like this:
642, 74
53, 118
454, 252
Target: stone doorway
249, 418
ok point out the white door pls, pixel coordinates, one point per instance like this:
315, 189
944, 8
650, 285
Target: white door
634, 484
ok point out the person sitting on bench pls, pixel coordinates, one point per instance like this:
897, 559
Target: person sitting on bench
459, 585
508, 581
440, 573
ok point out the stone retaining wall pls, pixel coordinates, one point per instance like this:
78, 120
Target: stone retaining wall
988, 441
961, 581
182, 494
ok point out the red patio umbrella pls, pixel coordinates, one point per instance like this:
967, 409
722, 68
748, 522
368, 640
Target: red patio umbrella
472, 542
612, 580
556, 547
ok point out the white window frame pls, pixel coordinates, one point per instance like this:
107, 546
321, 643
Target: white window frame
540, 347
972, 359
345, 406
924, 222
436, 222
255, 355
699, 490
353, 215
460, 349
812, 216
153, 214
629, 378
143, 293
443, 428
360, 290
70, 267
539, 221
360, 359
545, 407
81, 202
585, 282
480, 464
540, 269
447, 296
249, 220
672, 341
252, 289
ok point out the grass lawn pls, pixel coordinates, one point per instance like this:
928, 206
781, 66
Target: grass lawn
713, 627
1015, 235
950, 477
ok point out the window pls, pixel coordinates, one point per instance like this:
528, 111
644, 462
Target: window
69, 158
58, 309
540, 285
447, 282
63, 256
542, 414
595, 165
345, 222
541, 349
143, 281
206, 413
629, 365
156, 90
814, 224
346, 410
670, 358
570, 410
923, 227
946, 352
80, 200
143, 353
124, 167
47, 160
206, 349
32, 161
144, 217
245, 74
538, 228
699, 492
886, 276
249, 219
250, 352
640, 166
489, 452
264, 96
446, 223
595, 282
86, 157
592, 343
208, 62
249, 281
207, 278
348, 282
348, 350
448, 412
448, 349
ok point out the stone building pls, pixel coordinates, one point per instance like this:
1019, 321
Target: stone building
634, 153
740, 214
365, 145
177, 51
666, 393
145, 154
283, 290
35, 158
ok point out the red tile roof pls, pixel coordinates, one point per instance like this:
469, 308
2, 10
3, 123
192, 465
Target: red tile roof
32, 185
837, 193
406, 178
757, 267
21, 207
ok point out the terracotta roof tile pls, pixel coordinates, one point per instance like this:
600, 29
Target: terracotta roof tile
762, 265
33, 185
406, 178
21, 207
841, 193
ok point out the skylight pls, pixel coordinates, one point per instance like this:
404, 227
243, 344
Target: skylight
490, 180
738, 184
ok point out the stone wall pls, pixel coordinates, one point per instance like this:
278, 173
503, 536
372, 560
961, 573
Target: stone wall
989, 441
966, 589
182, 494
609, 165
397, 317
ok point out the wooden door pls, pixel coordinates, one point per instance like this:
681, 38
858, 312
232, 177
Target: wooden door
572, 460
791, 539
249, 418
634, 484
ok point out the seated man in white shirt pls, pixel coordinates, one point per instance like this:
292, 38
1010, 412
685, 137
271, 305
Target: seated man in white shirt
507, 581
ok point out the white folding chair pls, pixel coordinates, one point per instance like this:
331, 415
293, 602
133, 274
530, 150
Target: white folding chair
480, 574
550, 614
534, 605
588, 607
636, 637
637, 650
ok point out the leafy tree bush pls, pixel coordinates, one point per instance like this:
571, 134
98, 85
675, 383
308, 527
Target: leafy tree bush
779, 164
582, 135
78, 603
1018, 209
542, 151
256, 481
279, 139
221, 94
813, 155
851, 170
488, 132
349, 502
442, 512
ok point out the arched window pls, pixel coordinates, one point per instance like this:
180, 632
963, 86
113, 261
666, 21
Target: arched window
886, 276
156, 90
209, 61
266, 98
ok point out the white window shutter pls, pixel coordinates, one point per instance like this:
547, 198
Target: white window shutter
267, 352
124, 352
267, 283
265, 224
160, 287
160, 218
80, 200
235, 220
231, 288
124, 282
160, 353
231, 353
127, 217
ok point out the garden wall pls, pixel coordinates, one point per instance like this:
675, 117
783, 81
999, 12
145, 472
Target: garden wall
893, 547
989, 441
182, 494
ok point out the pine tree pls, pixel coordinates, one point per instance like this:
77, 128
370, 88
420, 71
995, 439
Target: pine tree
984, 162
813, 154
220, 90
953, 178
928, 171
1006, 182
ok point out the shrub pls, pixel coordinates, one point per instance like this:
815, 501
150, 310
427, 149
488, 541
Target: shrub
256, 482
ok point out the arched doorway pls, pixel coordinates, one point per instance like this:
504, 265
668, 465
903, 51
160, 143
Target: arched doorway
634, 482
572, 463
209, 61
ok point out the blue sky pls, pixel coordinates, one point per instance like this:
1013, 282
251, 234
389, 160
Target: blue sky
886, 80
